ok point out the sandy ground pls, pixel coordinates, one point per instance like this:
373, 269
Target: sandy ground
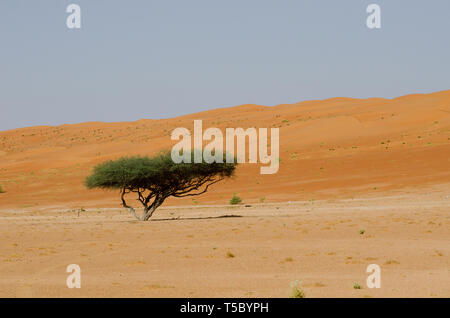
185, 251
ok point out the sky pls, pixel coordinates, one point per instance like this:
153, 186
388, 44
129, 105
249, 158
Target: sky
158, 59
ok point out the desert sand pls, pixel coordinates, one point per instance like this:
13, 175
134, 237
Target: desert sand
360, 182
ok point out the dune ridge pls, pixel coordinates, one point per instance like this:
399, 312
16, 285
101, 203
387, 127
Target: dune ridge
334, 148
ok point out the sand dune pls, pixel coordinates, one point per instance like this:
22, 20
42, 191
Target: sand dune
335, 148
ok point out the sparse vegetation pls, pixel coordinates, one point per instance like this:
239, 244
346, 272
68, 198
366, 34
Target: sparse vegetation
1, 189
296, 290
362, 232
230, 255
356, 286
80, 210
235, 200
262, 199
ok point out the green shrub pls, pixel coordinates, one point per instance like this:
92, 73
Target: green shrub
235, 200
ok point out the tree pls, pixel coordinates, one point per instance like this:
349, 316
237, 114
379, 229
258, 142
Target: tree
155, 179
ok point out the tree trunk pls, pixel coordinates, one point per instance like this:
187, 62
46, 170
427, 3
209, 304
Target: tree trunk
145, 216
133, 212
148, 213
148, 210
125, 205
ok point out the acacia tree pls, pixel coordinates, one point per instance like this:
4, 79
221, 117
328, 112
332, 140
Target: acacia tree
155, 179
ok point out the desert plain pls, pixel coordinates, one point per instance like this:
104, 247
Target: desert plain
361, 181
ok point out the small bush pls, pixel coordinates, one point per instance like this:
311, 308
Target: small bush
230, 255
235, 200
1, 190
362, 232
357, 286
296, 290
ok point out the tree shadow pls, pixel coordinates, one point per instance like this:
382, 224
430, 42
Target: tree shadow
198, 218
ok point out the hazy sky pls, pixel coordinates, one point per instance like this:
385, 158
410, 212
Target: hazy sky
156, 59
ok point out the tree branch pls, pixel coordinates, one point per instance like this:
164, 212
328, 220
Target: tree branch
186, 194
124, 204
